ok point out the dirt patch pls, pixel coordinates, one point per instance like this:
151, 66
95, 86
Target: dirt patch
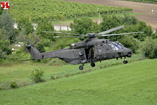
145, 8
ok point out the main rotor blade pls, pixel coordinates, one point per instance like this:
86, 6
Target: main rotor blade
59, 32
68, 36
121, 34
111, 30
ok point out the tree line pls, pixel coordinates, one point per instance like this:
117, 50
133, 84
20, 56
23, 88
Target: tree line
144, 42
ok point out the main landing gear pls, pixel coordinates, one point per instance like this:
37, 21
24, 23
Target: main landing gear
92, 64
81, 67
125, 61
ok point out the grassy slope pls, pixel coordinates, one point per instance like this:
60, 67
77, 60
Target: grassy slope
134, 83
21, 72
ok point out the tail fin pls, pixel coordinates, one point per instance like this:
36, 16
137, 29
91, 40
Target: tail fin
35, 54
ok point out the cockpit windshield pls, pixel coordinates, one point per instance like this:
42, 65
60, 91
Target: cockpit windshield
115, 46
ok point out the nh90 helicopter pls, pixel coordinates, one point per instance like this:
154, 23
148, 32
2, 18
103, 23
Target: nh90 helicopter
90, 50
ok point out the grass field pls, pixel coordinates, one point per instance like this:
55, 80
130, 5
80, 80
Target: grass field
20, 73
131, 84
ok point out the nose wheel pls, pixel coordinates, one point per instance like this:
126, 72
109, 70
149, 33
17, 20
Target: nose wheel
125, 61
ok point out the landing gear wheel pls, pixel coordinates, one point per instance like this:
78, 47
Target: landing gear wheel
81, 67
125, 61
92, 64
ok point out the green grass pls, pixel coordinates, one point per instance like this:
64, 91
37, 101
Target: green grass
131, 84
20, 73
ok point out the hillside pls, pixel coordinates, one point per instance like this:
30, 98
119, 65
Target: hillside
57, 9
134, 83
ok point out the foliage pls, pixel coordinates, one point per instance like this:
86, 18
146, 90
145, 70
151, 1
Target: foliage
1, 11
4, 49
109, 22
37, 75
141, 26
18, 56
6, 24
57, 9
131, 25
53, 76
130, 42
13, 85
21, 36
149, 47
40, 47
129, 20
84, 26
25, 23
44, 25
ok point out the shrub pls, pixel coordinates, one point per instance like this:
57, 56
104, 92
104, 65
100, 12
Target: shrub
13, 85
37, 76
149, 47
53, 76
130, 42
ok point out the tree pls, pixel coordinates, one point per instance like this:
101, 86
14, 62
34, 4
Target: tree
149, 47
131, 25
84, 26
21, 36
129, 20
110, 22
26, 24
6, 24
130, 42
4, 49
44, 25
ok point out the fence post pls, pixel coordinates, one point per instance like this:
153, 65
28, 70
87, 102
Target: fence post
60, 28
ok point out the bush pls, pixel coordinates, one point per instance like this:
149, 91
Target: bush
149, 47
4, 49
53, 77
13, 85
37, 76
130, 42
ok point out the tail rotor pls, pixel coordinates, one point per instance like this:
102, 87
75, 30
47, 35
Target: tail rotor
30, 42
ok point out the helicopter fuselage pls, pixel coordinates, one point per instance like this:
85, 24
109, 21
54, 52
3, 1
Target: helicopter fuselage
89, 51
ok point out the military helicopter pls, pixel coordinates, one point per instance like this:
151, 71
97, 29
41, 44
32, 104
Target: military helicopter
90, 50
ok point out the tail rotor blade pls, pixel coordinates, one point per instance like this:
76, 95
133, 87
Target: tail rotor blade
28, 39
36, 40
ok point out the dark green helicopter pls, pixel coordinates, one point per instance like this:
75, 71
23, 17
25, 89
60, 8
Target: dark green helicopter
90, 50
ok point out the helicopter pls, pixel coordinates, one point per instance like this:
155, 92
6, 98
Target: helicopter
90, 50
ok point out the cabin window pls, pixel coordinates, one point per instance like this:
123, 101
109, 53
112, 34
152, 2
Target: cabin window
99, 50
74, 54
